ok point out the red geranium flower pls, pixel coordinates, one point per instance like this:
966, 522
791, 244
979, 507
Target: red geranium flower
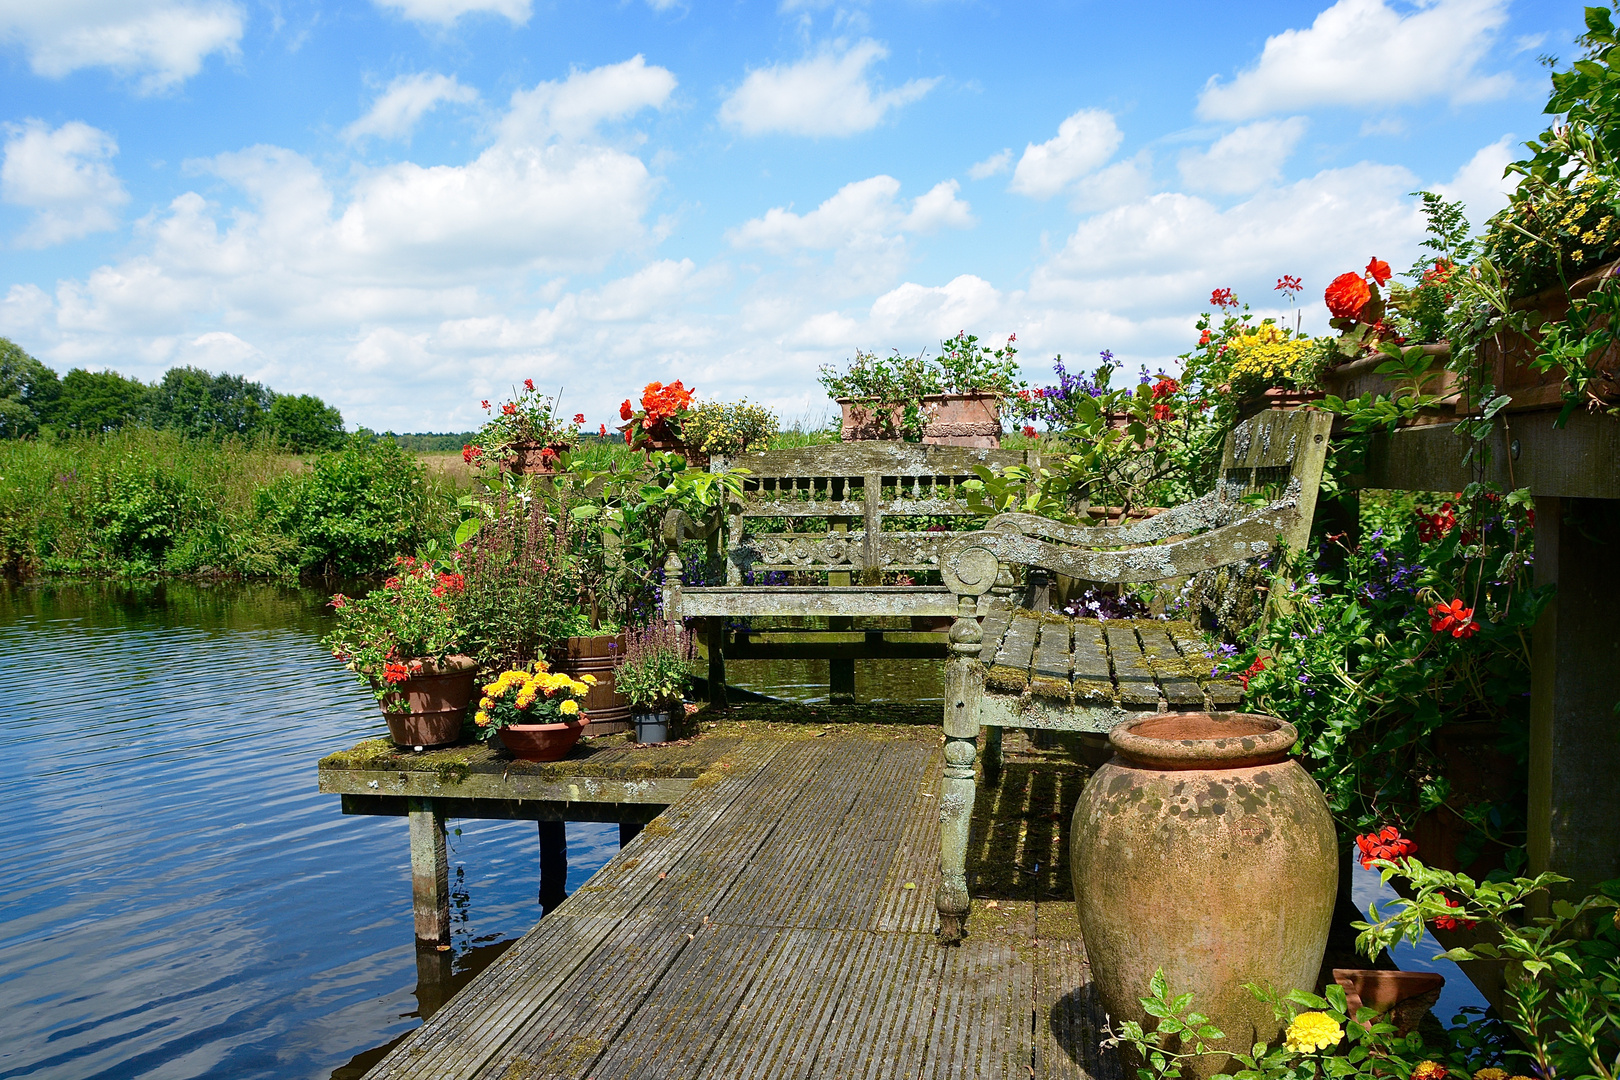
1346, 295
1434, 526
625, 412
509, 409
601, 429
1455, 618
1451, 922
1163, 412
484, 404
466, 452
528, 384
395, 672
1378, 270
579, 418
1203, 339
1254, 669
1288, 283
1387, 844
1029, 431
1164, 388
1439, 275
547, 455
1223, 298
340, 601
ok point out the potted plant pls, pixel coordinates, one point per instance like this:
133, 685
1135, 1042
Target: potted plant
653, 673
660, 423
402, 640
727, 429
534, 712
593, 652
882, 398
973, 381
526, 436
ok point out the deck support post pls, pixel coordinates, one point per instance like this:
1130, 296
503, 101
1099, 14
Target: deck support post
1574, 811
553, 864
434, 968
430, 873
628, 831
841, 670
717, 661
992, 755
964, 686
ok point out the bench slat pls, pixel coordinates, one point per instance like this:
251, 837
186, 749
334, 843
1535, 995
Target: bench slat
1224, 693
1093, 682
1175, 674
1136, 683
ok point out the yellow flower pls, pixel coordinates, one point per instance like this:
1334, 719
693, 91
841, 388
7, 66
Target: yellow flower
569, 707
588, 680
482, 717
1311, 1031
1429, 1070
1491, 1074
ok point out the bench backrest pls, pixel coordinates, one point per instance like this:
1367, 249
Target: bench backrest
853, 488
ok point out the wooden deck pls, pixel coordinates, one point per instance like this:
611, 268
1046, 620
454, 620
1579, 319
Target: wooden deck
778, 921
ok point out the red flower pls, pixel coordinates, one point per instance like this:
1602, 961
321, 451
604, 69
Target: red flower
627, 438
601, 429
395, 673
339, 601
1450, 922
547, 455
1254, 669
509, 409
1387, 844
528, 384
453, 582
467, 452
1165, 387
1029, 431
1203, 339
1163, 412
1454, 617
1378, 270
392, 583
1346, 295
579, 418
1288, 283
661, 402
1440, 275
1434, 526
625, 412
484, 403
1223, 298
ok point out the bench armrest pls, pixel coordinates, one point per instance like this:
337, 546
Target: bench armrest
1209, 512
678, 526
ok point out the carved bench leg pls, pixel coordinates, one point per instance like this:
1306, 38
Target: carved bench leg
992, 755
956, 794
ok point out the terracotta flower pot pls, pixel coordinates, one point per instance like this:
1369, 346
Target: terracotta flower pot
1401, 997
1353, 378
534, 459
1510, 362
864, 420
963, 420
596, 655
660, 439
543, 742
435, 702
1202, 848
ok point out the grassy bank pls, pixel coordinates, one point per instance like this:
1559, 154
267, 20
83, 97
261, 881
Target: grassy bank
140, 501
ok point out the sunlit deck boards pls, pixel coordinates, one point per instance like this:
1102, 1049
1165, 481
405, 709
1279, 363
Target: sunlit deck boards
776, 922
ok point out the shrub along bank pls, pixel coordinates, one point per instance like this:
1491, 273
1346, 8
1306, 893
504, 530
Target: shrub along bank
138, 501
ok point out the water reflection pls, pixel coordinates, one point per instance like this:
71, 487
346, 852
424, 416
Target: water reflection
181, 902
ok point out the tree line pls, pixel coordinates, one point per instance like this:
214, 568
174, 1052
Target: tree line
188, 400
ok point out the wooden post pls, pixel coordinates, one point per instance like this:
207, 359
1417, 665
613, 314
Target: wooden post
963, 688
553, 864
1574, 811
628, 831
841, 672
716, 625
992, 755
430, 873
434, 968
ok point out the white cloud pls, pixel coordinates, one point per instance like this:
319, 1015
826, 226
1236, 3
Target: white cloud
164, 42
1361, 53
993, 165
1479, 183
1083, 142
865, 214
445, 12
1118, 183
574, 106
825, 94
397, 109
64, 176
1244, 160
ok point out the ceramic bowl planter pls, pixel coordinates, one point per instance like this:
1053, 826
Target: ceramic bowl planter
963, 420
436, 701
595, 655
1400, 997
542, 742
1202, 848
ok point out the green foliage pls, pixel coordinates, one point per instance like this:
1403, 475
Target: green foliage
199, 405
729, 428
655, 667
28, 390
355, 507
304, 422
434, 442
1563, 984
522, 579
886, 385
95, 402
967, 367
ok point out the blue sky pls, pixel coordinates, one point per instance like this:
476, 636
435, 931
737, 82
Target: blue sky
405, 206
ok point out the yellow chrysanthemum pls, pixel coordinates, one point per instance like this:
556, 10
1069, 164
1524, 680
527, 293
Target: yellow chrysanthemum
482, 718
1312, 1031
1491, 1074
1429, 1070
588, 680
569, 707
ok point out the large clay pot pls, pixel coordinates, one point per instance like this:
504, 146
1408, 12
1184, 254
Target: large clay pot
1510, 356
435, 702
1203, 849
963, 420
534, 459
597, 655
865, 420
1400, 997
542, 742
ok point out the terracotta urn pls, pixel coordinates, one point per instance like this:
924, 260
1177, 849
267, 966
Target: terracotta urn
542, 742
1202, 848
865, 419
534, 459
963, 420
435, 701
1400, 997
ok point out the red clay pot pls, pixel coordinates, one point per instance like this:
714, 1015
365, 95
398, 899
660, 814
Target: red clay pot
1401, 997
533, 459
436, 701
1202, 848
864, 420
963, 420
543, 742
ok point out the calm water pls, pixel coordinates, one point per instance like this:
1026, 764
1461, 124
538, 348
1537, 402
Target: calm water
179, 901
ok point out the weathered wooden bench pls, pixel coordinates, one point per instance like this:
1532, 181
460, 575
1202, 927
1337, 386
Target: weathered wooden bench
815, 533
1020, 664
